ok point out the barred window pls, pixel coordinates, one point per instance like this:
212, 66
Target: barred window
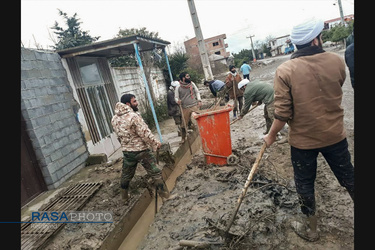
96, 93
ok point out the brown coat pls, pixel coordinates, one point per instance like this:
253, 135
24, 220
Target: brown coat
308, 96
229, 84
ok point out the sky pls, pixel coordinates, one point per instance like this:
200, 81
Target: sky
238, 19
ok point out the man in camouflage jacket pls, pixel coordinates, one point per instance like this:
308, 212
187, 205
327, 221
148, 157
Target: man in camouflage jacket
135, 138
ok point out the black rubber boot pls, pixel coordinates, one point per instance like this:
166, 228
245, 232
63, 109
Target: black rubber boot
124, 194
307, 229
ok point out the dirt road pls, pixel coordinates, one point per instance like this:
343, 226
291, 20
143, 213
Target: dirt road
207, 195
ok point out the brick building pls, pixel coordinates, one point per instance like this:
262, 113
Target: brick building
328, 24
214, 46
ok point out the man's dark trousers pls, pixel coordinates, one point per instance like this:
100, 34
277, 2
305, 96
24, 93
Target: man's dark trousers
305, 163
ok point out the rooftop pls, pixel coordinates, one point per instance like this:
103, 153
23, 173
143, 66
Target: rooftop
114, 47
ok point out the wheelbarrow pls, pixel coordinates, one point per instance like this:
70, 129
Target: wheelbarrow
214, 130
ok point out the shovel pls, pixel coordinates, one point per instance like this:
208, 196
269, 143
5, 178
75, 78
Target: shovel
165, 154
244, 190
235, 120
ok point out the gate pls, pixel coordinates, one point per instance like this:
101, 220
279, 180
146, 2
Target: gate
32, 181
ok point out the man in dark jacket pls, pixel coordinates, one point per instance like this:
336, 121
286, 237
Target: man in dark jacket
349, 56
218, 89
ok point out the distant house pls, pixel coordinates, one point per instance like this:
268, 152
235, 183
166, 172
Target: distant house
278, 45
214, 46
332, 22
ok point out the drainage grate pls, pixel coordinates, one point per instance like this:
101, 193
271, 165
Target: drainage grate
34, 235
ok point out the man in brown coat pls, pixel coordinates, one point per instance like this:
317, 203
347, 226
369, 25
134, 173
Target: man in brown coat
236, 94
308, 97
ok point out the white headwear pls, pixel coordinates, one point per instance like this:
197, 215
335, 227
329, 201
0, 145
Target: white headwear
175, 83
243, 83
306, 31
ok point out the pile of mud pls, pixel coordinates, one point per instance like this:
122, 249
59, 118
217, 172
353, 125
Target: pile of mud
205, 197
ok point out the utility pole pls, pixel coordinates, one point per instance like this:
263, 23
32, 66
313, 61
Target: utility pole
252, 47
341, 13
342, 19
201, 46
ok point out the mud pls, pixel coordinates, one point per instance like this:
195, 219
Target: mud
205, 195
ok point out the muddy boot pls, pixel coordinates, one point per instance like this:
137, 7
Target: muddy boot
179, 130
162, 188
307, 229
191, 126
124, 194
183, 135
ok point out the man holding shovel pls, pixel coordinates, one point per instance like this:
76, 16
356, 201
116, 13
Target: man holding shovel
188, 97
231, 82
135, 138
258, 92
308, 97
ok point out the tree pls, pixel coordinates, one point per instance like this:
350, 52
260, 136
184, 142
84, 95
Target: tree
147, 57
338, 32
243, 55
129, 60
177, 62
72, 36
142, 32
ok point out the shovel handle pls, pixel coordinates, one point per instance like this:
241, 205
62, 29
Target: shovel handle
235, 120
156, 200
244, 190
157, 156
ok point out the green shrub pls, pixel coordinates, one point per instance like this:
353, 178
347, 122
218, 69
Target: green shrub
161, 111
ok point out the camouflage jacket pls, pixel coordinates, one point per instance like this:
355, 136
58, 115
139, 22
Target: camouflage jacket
132, 131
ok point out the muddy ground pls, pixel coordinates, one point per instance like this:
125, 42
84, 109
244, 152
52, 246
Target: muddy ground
205, 195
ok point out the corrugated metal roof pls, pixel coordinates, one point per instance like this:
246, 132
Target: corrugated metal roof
114, 47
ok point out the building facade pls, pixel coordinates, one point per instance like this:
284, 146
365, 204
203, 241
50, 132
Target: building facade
278, 45
214, 46
333, 22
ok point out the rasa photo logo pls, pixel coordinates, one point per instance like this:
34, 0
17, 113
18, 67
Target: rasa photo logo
71, 217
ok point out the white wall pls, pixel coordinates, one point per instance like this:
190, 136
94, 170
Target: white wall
130, 80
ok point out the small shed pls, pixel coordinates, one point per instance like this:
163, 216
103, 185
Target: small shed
94, 86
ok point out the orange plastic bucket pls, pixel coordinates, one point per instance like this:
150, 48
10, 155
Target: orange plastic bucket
214, 130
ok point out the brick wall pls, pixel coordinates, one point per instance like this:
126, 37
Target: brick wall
48, 106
